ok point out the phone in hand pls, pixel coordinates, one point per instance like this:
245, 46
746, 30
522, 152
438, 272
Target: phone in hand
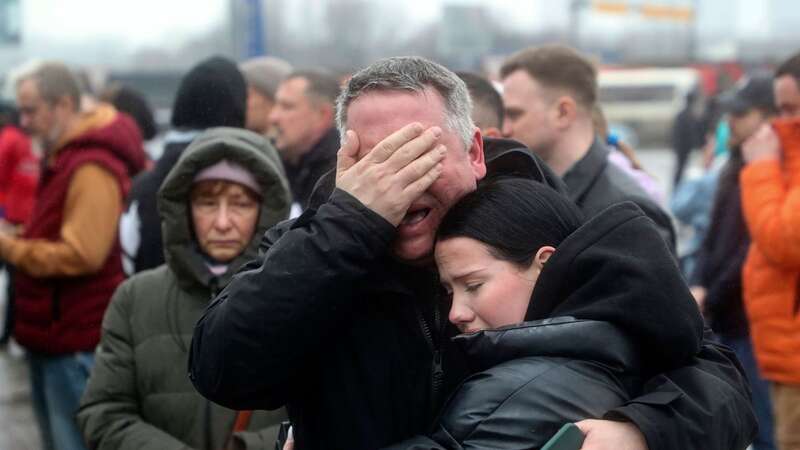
283, 434
569, 437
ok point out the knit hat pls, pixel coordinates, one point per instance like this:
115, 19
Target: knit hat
212, 94
264, 74
229, 171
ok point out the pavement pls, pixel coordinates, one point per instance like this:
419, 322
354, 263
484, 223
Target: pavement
17, 425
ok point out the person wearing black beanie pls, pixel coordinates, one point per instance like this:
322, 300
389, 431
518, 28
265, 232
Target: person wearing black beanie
212, 94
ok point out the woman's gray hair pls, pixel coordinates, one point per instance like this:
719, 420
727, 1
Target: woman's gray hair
413, 74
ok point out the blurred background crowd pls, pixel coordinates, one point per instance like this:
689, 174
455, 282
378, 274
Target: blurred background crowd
681, 84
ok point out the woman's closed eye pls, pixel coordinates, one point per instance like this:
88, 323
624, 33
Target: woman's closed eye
473, 287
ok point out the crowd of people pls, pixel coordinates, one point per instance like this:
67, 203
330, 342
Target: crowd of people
406, 258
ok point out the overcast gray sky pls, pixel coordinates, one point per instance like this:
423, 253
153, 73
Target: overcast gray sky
139, 22
143, 22
51, 28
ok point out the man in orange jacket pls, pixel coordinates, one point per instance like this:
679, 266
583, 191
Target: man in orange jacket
770, 184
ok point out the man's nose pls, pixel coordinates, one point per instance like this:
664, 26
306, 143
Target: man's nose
507, 130
273, 116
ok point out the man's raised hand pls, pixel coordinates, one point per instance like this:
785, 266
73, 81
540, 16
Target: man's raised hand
394, 173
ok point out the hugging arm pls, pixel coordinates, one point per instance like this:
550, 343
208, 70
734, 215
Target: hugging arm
705, 404
255, 338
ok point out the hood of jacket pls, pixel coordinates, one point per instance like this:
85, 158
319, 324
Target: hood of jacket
509, 158
104, 127
249, 150
617, 269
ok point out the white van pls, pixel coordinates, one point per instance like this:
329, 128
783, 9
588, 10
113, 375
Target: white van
647, 99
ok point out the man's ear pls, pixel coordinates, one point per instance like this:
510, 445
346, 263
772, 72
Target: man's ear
475, 155
326, 112
66, 102
566, 111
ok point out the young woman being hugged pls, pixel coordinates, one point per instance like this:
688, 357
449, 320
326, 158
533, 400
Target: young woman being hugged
562, 319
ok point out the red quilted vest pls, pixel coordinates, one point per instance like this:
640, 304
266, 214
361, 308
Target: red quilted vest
60, 315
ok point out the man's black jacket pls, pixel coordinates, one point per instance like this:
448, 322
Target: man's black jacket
594, 184
356, 345
317, 162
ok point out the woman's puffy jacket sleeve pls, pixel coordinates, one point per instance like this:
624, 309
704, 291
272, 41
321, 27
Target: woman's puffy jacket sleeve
771, 200
109, 415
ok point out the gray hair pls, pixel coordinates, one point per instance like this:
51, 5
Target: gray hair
54, 80
412, 74
322, 85
265, 73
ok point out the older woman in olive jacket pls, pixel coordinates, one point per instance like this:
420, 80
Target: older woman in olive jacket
139, 395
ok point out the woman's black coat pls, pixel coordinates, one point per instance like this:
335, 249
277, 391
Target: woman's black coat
623, 313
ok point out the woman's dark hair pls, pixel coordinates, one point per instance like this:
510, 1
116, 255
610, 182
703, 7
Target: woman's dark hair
135, 104
514, 217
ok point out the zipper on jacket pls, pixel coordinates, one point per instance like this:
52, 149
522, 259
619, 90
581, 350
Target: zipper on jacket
437, 380
437, 370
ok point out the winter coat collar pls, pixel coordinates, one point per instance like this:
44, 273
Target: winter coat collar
509, 158
103, 127
100, 116
181, 136
322, 151
564, 337
583, 174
